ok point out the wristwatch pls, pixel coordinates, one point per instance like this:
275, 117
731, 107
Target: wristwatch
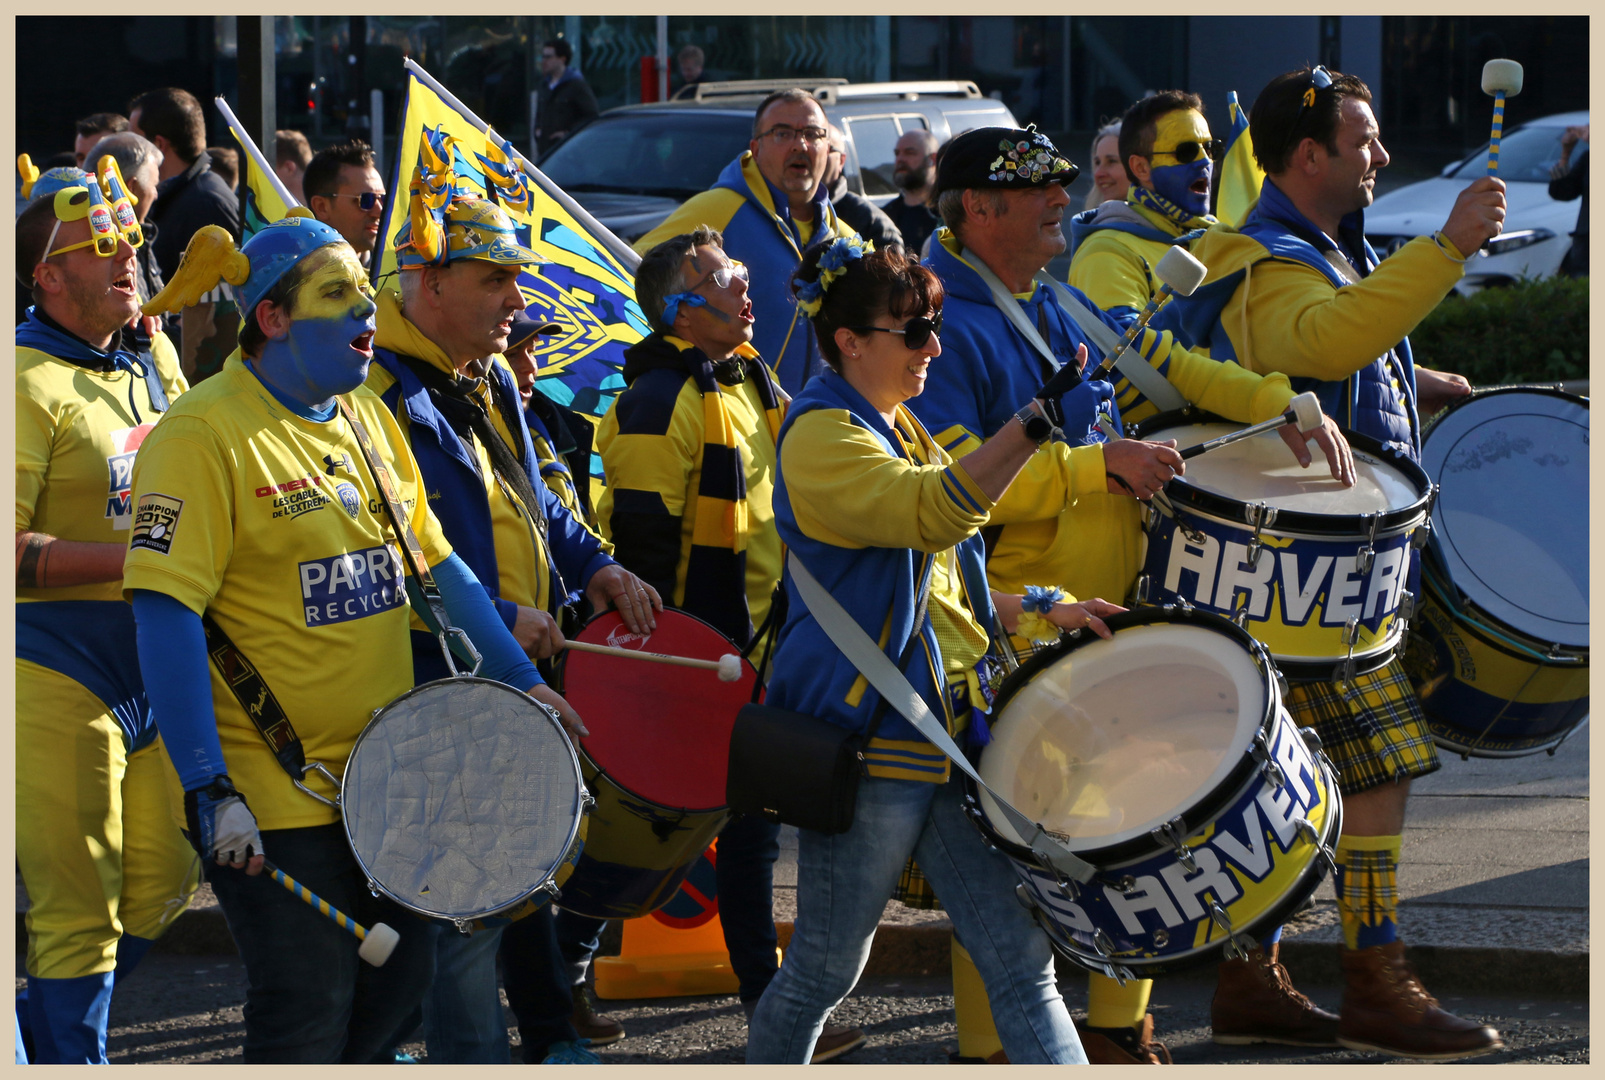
1038, 428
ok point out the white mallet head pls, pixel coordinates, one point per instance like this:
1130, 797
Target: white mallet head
729, 667
1180, 270
379, 944
1501, 77
1306, 410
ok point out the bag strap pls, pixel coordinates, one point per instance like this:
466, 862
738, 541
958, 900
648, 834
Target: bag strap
432, 609
1130, 363
894, 687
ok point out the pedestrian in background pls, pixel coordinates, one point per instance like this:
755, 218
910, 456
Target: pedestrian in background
563, 100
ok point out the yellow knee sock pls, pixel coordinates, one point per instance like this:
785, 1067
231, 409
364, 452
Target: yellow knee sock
1367, 889
1110, 1005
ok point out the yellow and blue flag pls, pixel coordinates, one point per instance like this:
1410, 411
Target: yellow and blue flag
266, 198
1240, 175
587, 286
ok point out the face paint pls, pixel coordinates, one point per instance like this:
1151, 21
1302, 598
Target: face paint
330, 341
1177, 181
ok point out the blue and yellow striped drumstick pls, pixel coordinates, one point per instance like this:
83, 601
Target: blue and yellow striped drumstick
378, 941
1500, 79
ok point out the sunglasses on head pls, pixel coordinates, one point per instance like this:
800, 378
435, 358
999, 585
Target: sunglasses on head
1320, 79
1186, 152
367, 200
916, 332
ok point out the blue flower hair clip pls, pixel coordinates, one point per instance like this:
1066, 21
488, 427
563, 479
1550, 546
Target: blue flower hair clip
832, 265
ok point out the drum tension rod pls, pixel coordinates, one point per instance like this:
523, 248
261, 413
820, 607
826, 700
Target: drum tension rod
1171, 833
1260, 516
1261, 752
1367, 553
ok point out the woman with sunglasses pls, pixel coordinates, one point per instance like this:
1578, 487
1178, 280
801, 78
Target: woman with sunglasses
888, 523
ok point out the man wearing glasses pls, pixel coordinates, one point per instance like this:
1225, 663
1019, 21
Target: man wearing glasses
693, 435
1298, 290
770, 204
1169, 157
344, 191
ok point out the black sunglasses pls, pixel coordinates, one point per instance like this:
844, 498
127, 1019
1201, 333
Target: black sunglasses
915, 334
1186, 152
1320, 79
366, 199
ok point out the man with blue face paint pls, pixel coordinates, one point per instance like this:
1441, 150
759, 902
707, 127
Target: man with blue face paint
256, 518
1169, 158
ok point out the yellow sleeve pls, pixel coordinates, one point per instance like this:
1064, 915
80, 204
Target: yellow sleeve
167, 366
713, 208
1054, 478
1224, 388
1302, 326
183, 530
847, 491
36, 434
1110, 273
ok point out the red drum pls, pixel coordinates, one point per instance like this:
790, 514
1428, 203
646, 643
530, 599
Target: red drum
655, 760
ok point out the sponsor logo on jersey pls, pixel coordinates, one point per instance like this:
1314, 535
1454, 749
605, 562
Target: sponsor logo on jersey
349, 498
351, 586
293, 498
332, 462
120, 474
155, 522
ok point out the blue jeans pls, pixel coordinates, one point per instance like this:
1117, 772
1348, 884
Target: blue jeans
308, 997
745, 875
536, 974
463, 1019
843, 883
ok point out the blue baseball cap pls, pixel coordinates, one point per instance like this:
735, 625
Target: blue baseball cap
524, 326
275, 249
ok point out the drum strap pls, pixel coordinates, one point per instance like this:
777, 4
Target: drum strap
432, 610
895, 688
255, 698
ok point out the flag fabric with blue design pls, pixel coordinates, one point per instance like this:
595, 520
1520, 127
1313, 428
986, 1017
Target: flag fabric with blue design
587, 287
266, 198
1240, 175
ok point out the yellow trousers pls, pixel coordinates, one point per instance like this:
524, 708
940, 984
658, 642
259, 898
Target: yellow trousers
96, 840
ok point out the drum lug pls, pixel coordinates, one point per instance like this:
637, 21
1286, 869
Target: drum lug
1367, 553
1140, 595
1407, 606
1312, 740
462, 925
1103, 943
1343, 674
551, 888
1281, 682
1125, 885
1422, 535
1068, 888
1260, 516
1329, 860
1171, 834
1023, 894
1307, 831
1240, 616
1268, 768
1161, 937
373, 888
1236, 946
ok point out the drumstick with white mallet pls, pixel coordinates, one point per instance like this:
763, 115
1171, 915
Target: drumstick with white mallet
378, 940
1500, 79
728, 666
1177, 272
1304, 410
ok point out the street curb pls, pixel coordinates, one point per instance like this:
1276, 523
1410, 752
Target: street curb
926, 950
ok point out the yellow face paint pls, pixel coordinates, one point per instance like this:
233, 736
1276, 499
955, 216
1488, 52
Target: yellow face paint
336, 286
1182, 125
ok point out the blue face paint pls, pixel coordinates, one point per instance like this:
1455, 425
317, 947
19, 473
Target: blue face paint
318, 357
1175, 184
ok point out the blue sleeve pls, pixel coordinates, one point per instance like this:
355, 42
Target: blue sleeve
178, 684
471, 611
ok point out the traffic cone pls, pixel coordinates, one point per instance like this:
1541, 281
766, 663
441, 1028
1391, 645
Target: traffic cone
978, 1036
675, 951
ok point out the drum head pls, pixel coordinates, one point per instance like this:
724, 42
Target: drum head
1262, 469
1511, 520
461, 798
1119, 736
662, 732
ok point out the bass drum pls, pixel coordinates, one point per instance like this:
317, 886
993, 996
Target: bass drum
1499, 654
1164, 757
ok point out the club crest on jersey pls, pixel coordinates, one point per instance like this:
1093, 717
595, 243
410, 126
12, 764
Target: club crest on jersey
120, 474
350, 499
155, 522
350, 586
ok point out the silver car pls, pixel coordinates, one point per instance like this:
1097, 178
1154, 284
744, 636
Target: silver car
1537, 231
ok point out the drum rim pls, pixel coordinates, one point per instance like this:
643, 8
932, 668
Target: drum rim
1479, 393
1316, 526
581, 795
1435, 578
1224, 792
1275, 915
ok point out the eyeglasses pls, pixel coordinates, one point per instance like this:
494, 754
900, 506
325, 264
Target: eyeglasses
722, 277
1186, 152
367, 200
781, 134
916, 332
1320, 79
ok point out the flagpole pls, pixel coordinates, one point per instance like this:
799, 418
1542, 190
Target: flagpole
621, 251
256, 154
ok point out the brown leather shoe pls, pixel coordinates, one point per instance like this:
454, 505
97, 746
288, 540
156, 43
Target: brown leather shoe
1255, 1002
600, 1029
1385, 1008
835, 1041
1122, 1045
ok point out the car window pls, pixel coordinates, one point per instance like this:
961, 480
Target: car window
675, 155
1524, 154
875, 139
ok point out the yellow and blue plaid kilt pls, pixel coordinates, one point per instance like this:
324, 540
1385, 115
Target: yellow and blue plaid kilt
914, 889
1377, 735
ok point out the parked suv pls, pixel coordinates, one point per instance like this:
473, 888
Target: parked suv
631, 166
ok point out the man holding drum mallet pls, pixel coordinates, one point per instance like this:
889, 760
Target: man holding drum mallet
1298, 291
689, 452
257, 509
1070, 521
460, 411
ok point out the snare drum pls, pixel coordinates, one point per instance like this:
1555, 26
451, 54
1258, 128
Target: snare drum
1163, 757
655, 760
1315, 570
1499, 654
462, 800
